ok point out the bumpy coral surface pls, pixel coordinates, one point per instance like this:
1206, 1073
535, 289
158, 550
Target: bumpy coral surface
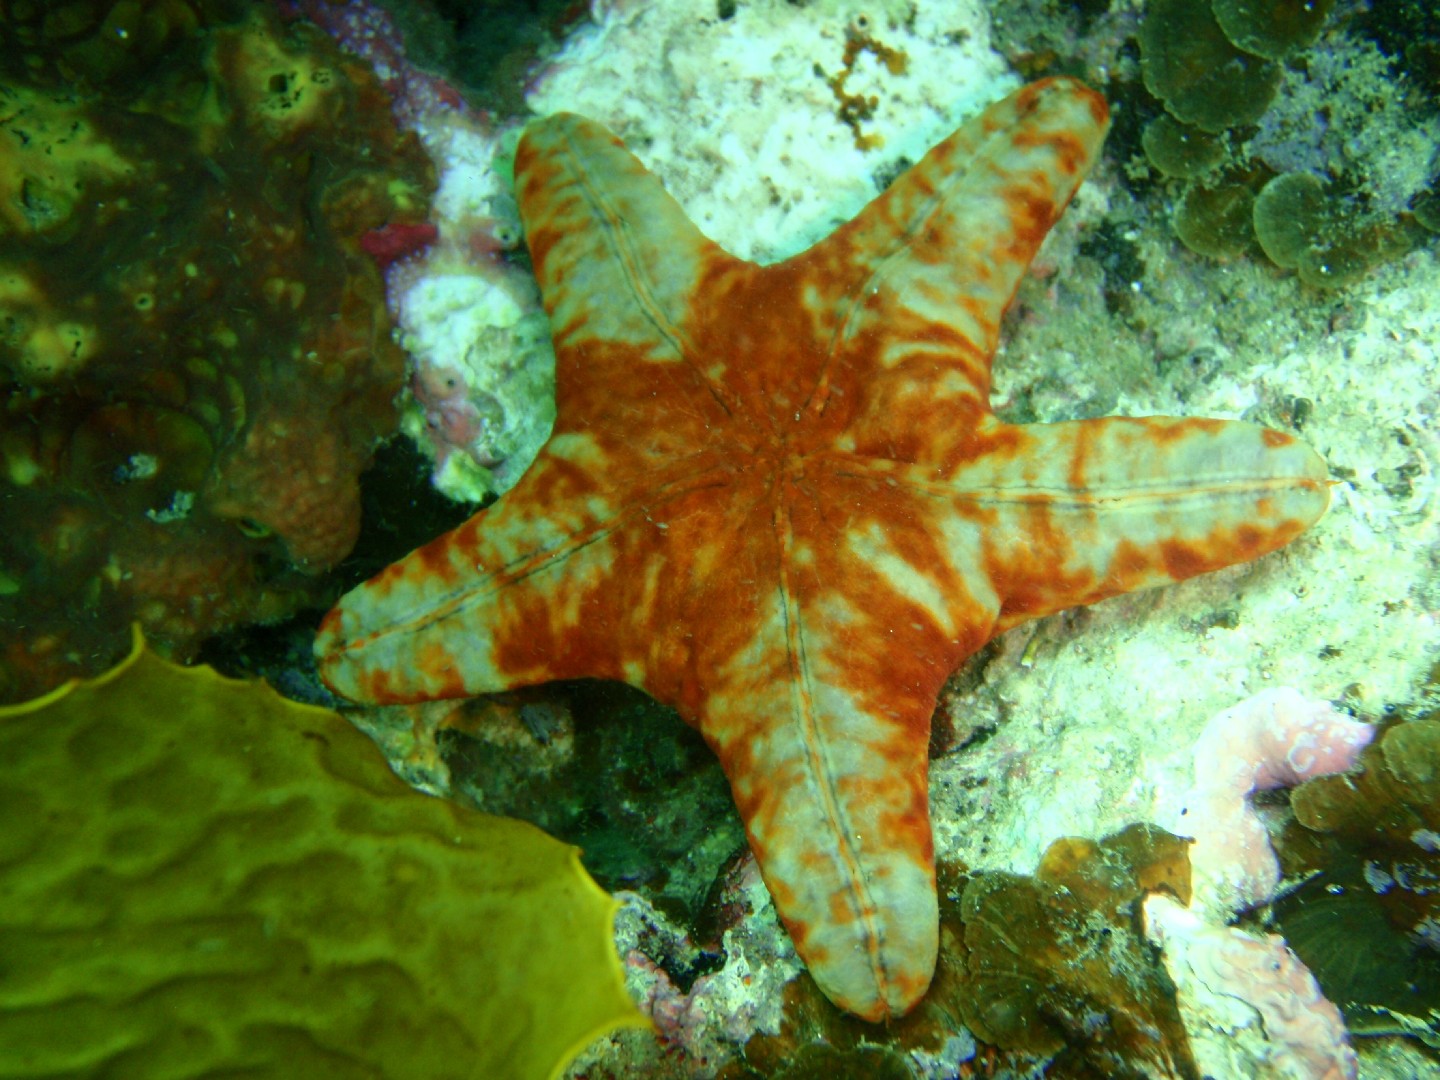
195, 359
1249, 1001
203, 879
1276, 738
1238, 983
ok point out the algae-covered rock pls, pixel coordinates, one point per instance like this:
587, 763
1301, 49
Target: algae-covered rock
200, 877
195, 357
1057, 963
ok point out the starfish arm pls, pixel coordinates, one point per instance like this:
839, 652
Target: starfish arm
598, 224
1080, 511
822, 724
555, 581
531, 589
833, 794
914, 287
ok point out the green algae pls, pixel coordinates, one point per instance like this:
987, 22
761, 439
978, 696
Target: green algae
1180, 150
1303, 226
1188, 63
1236, 119
1272, 28
1289, 211
1216, 220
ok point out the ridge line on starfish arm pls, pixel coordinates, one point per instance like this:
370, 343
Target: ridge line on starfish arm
822, 769
591, 153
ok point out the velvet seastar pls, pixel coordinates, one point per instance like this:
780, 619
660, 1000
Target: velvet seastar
776, 498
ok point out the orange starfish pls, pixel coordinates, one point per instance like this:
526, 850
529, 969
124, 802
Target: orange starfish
776, 499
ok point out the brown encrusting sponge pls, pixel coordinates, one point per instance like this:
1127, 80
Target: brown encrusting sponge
195, 357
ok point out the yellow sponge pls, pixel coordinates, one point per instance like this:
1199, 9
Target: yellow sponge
198, 876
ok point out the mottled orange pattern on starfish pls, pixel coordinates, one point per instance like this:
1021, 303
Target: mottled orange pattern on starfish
776, 499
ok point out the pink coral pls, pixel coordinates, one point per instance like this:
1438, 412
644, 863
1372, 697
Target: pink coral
454, 420
489, 238
394, 241
1227, 978
1231, 978
1275, 739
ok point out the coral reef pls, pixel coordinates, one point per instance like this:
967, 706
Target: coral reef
1079, 725
195, 358
1319, 162
201, 877
703, 1011
482, 392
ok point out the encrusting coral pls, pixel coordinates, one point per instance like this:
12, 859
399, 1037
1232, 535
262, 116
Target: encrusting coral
1276, 738
1232, 978
1249, 988
201, 877
195, 357
482, 394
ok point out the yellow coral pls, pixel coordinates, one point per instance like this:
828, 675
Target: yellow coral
200, 875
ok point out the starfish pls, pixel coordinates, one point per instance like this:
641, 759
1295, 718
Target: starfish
776, 498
